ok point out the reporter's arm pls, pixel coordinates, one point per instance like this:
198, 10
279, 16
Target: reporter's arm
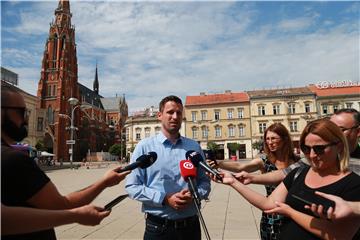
18, 220
236, 166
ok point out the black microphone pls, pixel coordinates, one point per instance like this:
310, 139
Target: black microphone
198, 160
143, 161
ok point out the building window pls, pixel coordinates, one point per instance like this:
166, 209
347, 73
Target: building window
293, 126
325, 109
193, 116
240, 113
262, 127
217, 115
203, 115
217, 131
230, 113
194, 133
147, 132
49, 90
50, 115
335, 107
40, 124
307, 107
261, 110
157, 130
205, 132
231, 131
138, 134
241, 131
276, 109
291, 108
348, 105
54, 90
127, 134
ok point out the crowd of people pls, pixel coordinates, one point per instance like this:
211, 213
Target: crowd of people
32, 206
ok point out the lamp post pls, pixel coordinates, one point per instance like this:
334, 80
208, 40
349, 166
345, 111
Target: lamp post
74, 102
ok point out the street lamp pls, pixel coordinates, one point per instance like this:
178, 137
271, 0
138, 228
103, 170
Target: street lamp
74, 102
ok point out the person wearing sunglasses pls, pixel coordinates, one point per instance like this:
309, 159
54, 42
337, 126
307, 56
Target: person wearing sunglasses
23, 183
279, 154
326, 149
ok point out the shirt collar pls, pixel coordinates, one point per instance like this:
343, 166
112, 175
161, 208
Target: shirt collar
161, 138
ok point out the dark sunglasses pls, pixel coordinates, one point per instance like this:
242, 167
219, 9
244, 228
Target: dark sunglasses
318, 149
22, 111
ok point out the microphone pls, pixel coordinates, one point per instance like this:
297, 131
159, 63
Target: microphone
188, 172
144, 161
198, 160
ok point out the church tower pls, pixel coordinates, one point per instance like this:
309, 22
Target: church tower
96, 82
59, 80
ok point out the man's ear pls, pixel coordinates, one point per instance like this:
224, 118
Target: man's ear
159, 114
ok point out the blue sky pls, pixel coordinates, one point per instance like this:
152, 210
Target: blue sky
147, 50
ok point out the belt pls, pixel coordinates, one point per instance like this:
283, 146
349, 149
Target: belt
176, 223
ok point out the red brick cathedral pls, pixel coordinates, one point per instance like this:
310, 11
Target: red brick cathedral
97, 121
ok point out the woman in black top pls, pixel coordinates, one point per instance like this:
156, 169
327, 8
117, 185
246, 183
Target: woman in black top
326, 149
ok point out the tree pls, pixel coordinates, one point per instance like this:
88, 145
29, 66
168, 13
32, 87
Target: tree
212, 146
233, 147
258, 145
40, 145
115, 149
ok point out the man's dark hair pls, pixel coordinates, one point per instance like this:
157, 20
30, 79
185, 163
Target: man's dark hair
6, 91
170, 98
352, 111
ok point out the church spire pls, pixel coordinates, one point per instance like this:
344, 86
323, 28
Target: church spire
96, 81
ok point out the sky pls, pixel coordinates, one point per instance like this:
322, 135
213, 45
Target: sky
148, 50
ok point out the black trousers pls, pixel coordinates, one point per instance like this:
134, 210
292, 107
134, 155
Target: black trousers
161, 229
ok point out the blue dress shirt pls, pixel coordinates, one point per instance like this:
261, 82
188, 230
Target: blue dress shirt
150, 185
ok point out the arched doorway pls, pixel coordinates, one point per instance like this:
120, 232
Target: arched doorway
49, 143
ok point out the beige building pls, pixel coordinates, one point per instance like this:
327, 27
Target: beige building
293, 107
220, 118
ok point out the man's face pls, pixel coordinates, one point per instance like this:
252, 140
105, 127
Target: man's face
14, 118
346, 122
171, 117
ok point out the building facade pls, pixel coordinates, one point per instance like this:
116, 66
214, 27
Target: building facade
293, 107
220, 118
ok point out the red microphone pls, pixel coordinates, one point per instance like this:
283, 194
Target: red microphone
187, 169
188, 172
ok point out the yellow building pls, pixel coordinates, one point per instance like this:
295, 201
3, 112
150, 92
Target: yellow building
220, 118
293, 107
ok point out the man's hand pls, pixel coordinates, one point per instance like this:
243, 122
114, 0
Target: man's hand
89, 215
212, 163
179, 200
112, 177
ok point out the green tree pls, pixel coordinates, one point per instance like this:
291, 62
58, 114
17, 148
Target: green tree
212, 146
115, 149
40, 145
258, 145
233, 147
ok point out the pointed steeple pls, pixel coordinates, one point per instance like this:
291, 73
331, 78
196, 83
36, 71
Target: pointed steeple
96, 81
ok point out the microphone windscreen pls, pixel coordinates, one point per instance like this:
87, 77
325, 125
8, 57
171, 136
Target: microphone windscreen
195, 157
187, 169
147, 160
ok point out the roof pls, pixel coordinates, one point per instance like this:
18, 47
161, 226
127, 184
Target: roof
111, 103
266, 93
90, 96
227, 97
331, 90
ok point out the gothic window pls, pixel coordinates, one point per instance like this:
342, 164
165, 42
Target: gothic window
49, 90
63, 42
54, 50
50, 115
54, 90
40, 124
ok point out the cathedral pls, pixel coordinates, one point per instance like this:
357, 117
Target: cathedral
74, 114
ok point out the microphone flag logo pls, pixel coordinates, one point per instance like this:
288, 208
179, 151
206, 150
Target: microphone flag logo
188, 165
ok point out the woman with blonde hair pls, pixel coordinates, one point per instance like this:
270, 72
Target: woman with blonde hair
326, 149
279, 154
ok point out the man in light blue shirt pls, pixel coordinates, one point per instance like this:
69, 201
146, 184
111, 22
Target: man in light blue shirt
167, 201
